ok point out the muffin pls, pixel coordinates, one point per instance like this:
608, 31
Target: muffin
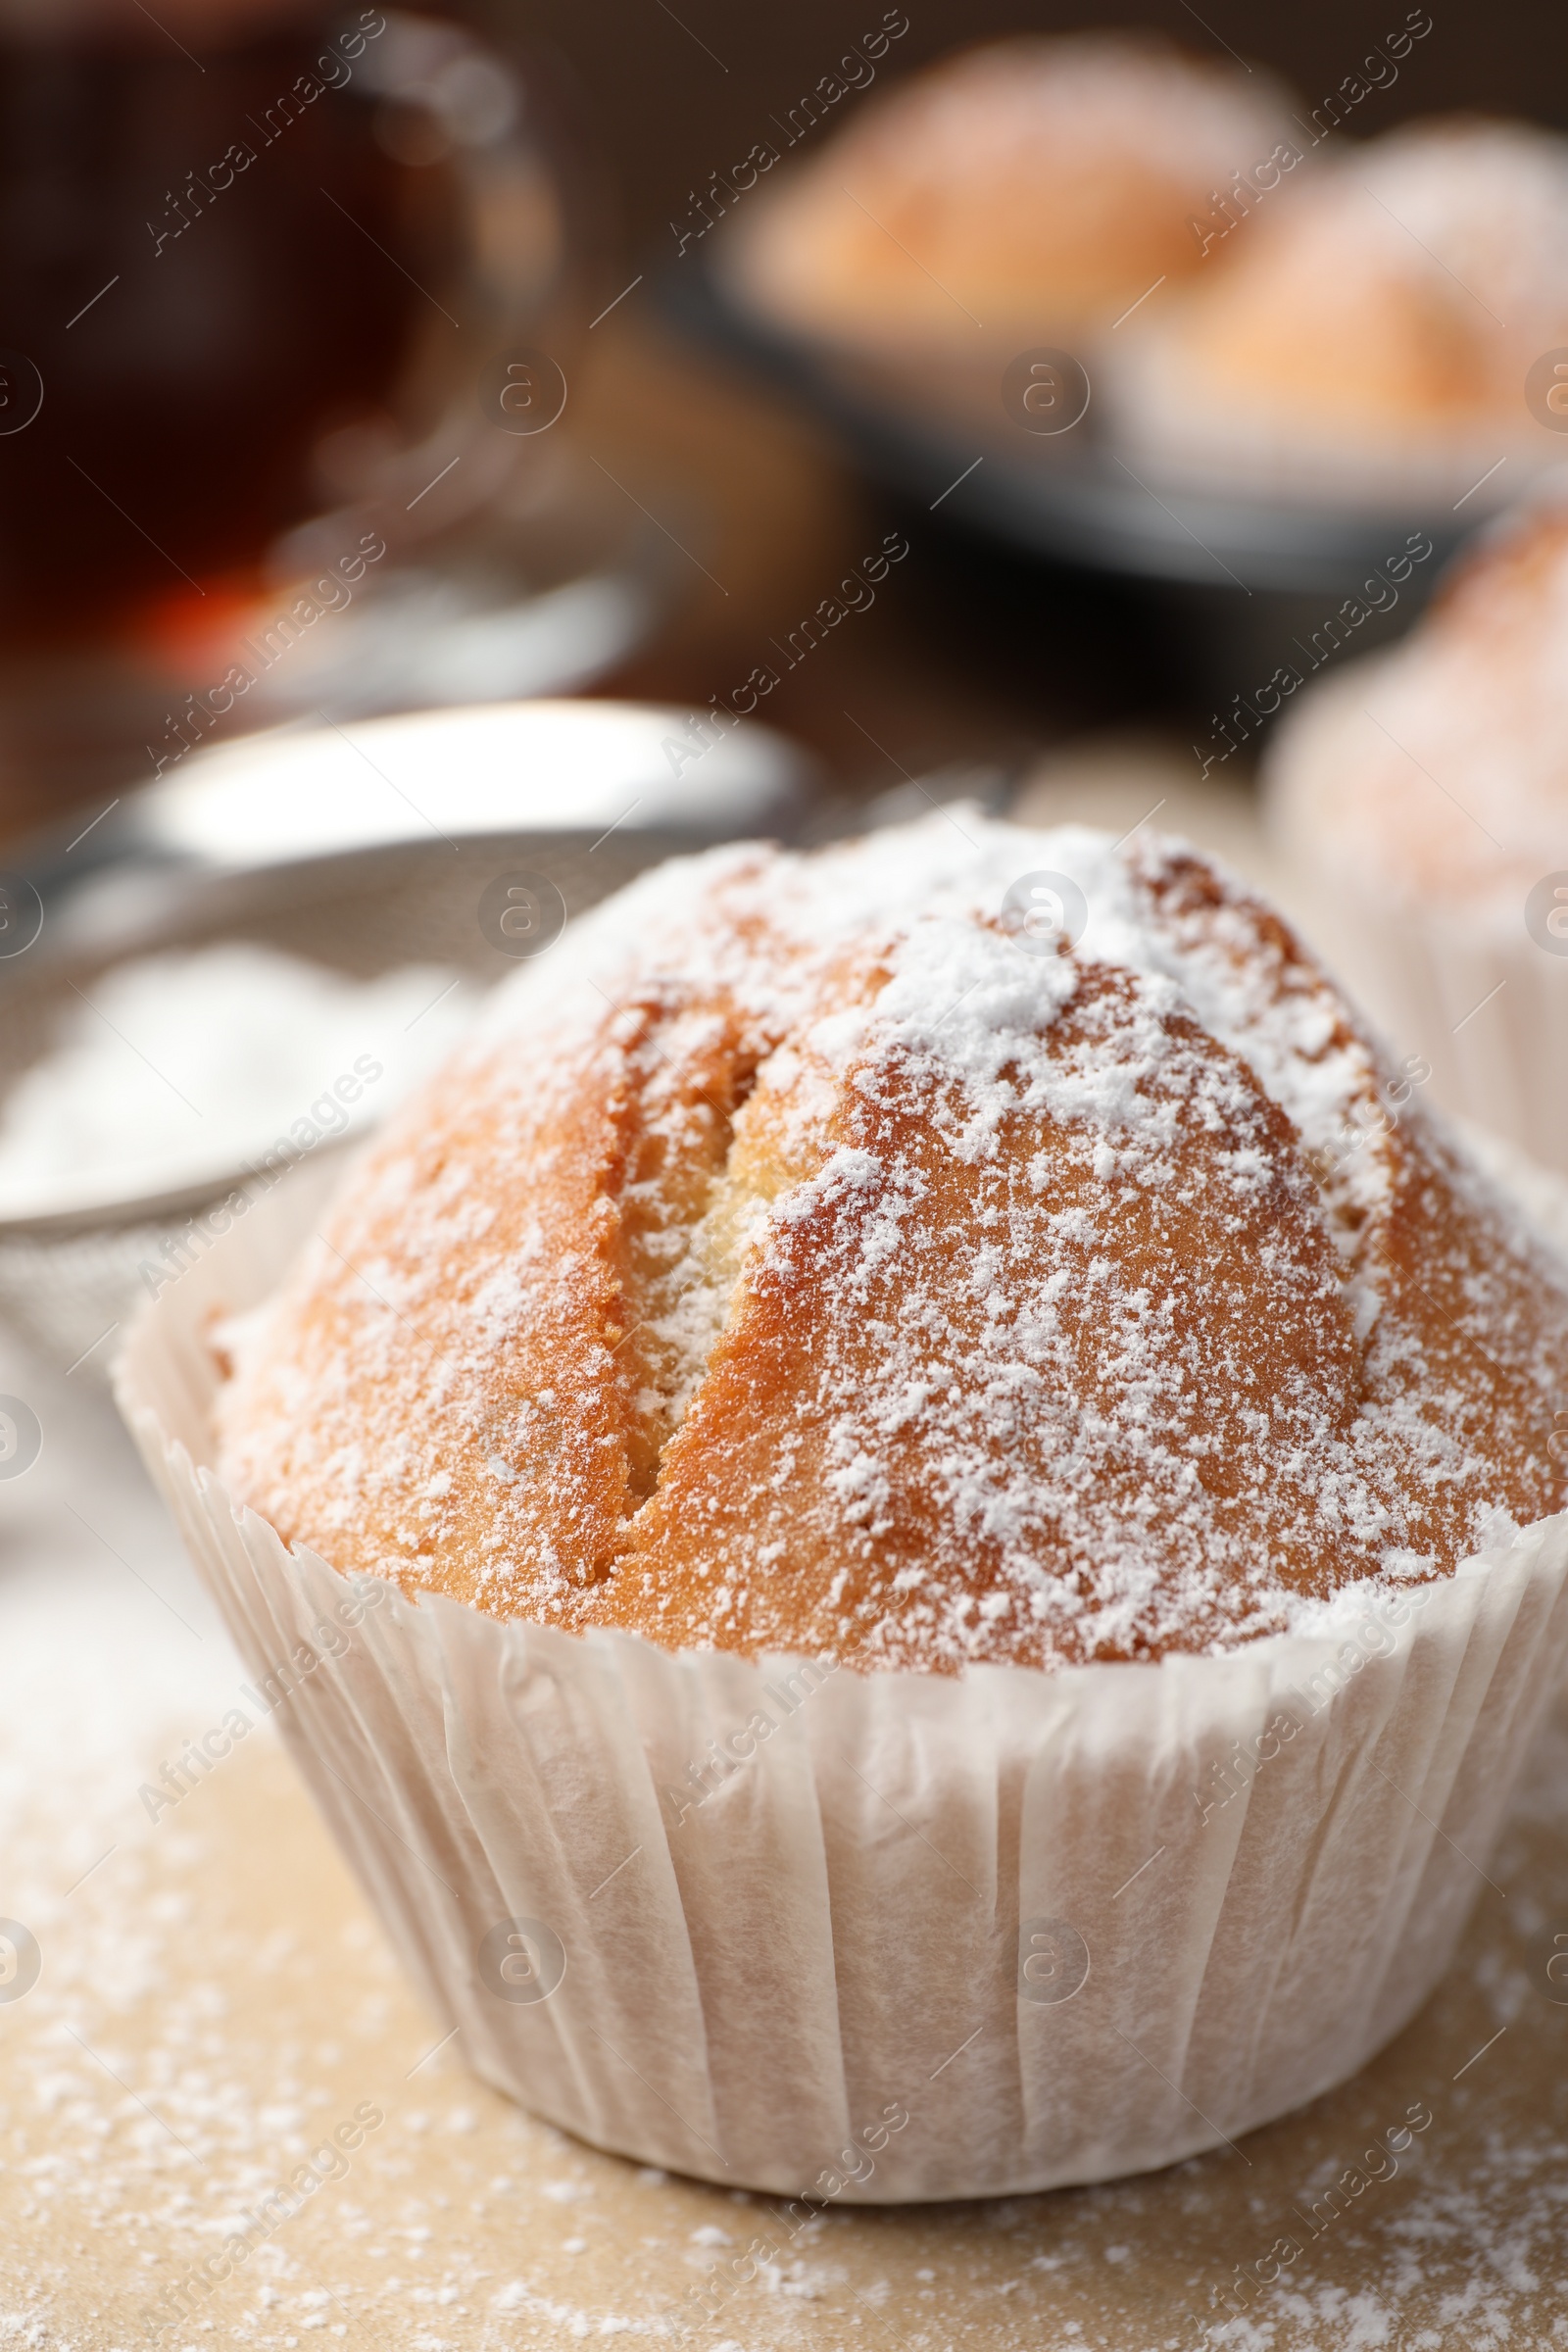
946, 1516
1030, 188
1423, 792
1367, 331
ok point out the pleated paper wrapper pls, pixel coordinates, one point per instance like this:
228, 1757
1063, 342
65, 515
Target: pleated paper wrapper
1485, 1006
919, 1936
1465, 985
1475, 996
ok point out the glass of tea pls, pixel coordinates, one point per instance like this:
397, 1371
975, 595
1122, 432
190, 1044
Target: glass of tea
267, 273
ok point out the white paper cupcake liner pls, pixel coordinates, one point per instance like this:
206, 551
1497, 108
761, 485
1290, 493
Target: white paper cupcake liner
1489, 1011
922, 1936
1464, 987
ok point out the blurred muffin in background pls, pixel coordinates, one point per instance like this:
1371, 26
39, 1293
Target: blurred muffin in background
1424, 794
1032, 186
1369, 332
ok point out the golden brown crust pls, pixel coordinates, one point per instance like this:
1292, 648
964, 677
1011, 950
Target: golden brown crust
759, 1304
1022, 186
1347, 302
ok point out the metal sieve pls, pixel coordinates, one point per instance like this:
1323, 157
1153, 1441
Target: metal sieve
464, 838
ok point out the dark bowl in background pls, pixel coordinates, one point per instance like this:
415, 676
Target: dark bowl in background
1175, 598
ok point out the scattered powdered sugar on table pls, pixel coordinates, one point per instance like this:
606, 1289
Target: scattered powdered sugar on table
224, 1964
795, 1261
181, 1066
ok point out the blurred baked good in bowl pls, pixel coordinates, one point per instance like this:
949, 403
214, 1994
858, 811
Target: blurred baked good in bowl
1424, 791
1031, 188
1366, 334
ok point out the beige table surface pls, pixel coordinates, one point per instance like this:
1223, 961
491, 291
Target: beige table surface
215, 1997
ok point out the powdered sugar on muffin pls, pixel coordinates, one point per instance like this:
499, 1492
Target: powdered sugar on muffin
798, 1261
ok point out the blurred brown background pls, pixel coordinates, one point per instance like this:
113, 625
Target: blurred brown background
675, 92
972, 654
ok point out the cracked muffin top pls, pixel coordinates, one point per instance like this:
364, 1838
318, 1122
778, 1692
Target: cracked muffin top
811, 1254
